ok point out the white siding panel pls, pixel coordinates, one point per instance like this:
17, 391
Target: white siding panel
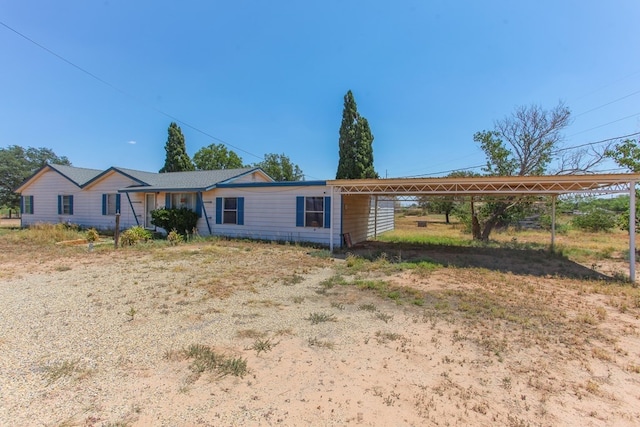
356, 211
382, 220
45, 191
270, 214
87, 203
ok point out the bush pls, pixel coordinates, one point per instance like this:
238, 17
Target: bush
92, 235
183, 220
134, 235
595, 220
174, 238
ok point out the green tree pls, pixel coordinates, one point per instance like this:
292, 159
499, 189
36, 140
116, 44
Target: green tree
521, 144
445, 205
216, 156
627, 155
355, 144
280, 168
177, 159
17, 164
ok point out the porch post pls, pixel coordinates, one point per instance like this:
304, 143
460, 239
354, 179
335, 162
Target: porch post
333, 220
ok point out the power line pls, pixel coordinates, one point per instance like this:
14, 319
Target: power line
608, 103
594, 143
606, 124
128, 95
553, 152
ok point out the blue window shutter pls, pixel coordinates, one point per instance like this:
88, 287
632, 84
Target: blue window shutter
167, 200
59, 205
32, 208
218, 210
327, 212
240, 210
104, 204
70, 205
199, 204
117, 203
22, 205
300, 211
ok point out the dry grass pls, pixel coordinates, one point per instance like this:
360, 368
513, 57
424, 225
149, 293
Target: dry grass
507, 320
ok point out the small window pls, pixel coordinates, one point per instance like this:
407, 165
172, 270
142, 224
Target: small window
65, 205
183, 200
230, 211
27, 207
314, 212
110, 204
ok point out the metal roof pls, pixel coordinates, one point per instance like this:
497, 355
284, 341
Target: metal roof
496, 185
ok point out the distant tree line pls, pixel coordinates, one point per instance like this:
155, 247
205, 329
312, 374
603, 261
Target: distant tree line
218, 156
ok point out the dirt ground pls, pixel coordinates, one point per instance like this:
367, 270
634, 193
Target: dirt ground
411, 337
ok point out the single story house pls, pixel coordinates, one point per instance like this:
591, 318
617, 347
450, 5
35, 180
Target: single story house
241, 203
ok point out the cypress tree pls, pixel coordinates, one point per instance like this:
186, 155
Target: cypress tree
177, 159
355, 143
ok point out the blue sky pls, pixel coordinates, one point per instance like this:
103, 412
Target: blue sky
269, 77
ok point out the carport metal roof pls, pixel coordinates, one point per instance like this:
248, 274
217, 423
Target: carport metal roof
489, 185
553, 185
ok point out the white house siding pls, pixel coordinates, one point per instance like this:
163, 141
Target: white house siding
270, 214
87, 202
359, 217
45, 191
91, 214
252, 177
382, 220
355, 216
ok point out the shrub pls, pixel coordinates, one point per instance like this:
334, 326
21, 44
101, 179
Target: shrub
174, 238
92, 235
134, 235
182, 220
595, 220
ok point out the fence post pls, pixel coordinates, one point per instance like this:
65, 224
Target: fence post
116, 234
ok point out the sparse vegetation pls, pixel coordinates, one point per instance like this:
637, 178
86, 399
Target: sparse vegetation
459, 307
316, 318
135, 235
205, 359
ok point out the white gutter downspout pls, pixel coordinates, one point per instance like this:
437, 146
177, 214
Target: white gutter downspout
632, 232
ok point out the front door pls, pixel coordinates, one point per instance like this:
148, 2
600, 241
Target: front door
149, 205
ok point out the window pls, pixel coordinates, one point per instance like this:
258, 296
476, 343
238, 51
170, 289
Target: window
230, 210
110, 204
183, 200
27, 205
313, 212
65, 205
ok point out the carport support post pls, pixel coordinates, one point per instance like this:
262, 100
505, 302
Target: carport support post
332, 221
553, 222
632, 232
375, 220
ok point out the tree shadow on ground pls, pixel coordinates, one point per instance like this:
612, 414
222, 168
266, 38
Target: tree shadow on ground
521, 261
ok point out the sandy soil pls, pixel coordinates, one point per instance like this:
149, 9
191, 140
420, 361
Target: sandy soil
99, 339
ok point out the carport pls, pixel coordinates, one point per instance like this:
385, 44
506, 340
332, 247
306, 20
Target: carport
548, 185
